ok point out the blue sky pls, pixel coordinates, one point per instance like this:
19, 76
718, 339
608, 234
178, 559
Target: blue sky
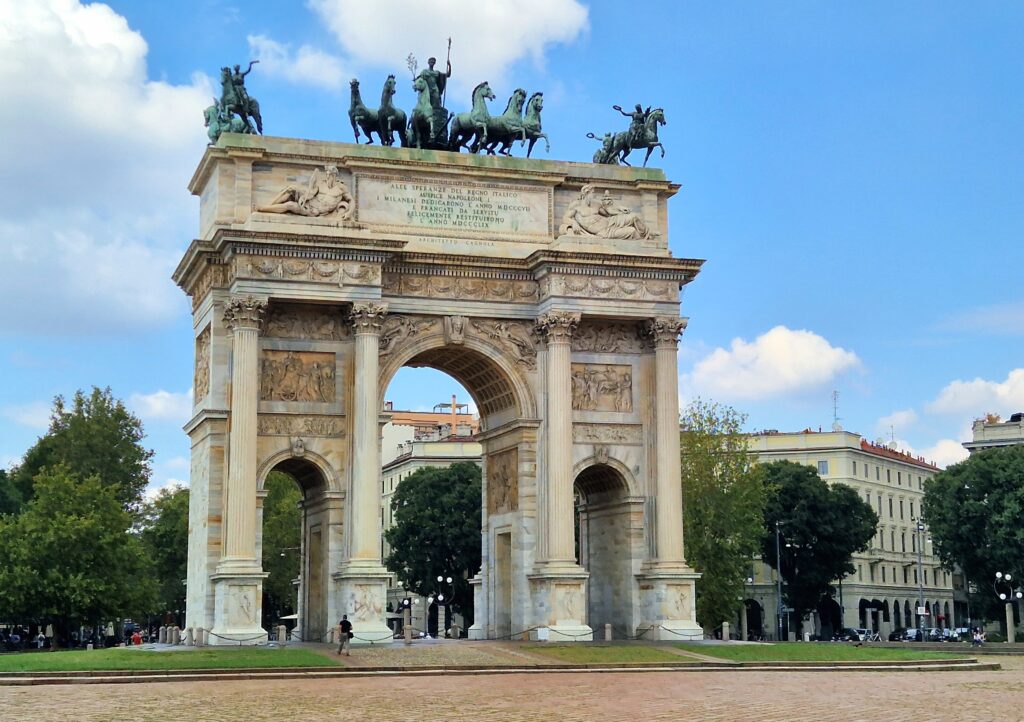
852, 172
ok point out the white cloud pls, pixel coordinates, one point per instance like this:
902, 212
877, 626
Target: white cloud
94, 164
35, 415
979, 396
307, 65
487, 37
780, 361
897, 420
153, 490
162, 406
944, 453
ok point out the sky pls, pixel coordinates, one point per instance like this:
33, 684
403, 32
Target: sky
853, 174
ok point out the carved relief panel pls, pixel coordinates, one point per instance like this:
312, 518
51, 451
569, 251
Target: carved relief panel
602, 387
305, 425
461, 287
201, 378
297, 376
607, 337
311, 323
503, 482
516, 337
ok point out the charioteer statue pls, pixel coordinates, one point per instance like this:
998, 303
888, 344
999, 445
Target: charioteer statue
234, 101
428, 123
641, 135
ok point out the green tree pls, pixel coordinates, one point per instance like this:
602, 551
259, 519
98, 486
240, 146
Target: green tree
97, 436
723, 507
70, 556
820, 527
282, 535
10, 497
975, 511
436, 531
164, 534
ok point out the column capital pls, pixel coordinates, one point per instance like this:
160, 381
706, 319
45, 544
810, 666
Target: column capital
244, 312
367, 317
558, 326
664, 331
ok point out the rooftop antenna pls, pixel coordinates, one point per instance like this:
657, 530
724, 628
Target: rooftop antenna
836, 426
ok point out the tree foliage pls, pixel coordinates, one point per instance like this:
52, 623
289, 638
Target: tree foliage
164, 535
436, 531
820, 527
975, 511
96, 436
723, 507
282, 536
10, 497
70, 556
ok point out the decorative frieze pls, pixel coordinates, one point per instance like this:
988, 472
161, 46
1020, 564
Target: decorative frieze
629, 434
311, 323
602, 387
503, 481
608, 287
214, 276
297, 376
342, 273
512, 336
201, 378
607, 337
460, 287
294, 425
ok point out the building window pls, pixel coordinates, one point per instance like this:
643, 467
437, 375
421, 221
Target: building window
892, 539
904, 575
890, 507
879, 505
913, 544
888, 476
878, 473
823, 468
883, 575
911, 510
915, 576
867, 498
860, 573
854, 467
901, 508
881, 539
903, 541
925, 577
865, 471
899, 478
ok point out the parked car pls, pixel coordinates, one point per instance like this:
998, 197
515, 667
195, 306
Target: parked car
862, 634
934, 634
847, 634
912, 634
898, 635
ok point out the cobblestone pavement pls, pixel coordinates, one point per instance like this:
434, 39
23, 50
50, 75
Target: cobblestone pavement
784, 696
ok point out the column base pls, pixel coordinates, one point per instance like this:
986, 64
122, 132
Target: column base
363, 591
559, 591
668, 609
238, 609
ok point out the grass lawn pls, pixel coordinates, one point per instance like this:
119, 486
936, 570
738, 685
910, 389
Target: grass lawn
120, 658
597, 654
809, 652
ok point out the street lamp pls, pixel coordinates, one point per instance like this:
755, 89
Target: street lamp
778, 582
919, 532
1003, 586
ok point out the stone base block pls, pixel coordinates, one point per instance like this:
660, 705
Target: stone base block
238, 609
363, 597
476, 632
668, 609
560, 604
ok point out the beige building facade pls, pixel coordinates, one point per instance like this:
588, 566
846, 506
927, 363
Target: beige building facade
883, 592
545, 288
990, 432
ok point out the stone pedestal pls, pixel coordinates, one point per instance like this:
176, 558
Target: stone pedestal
668, 609
364, 600
238, 608
477, 630
559, 603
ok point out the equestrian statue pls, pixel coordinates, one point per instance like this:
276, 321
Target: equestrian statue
384, 121
642, 134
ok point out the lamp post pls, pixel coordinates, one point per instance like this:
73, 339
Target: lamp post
919, 532
443, 581
778, 582
1005, 582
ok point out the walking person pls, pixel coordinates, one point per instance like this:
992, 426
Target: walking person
344, 635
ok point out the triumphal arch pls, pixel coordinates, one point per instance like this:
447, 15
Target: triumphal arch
546, 288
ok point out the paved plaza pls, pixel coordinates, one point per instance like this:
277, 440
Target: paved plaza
732, 695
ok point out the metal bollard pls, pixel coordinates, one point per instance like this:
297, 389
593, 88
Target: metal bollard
607, 632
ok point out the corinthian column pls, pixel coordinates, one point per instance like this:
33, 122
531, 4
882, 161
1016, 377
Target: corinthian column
244, 318
366, 320
664, 334
558, 327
